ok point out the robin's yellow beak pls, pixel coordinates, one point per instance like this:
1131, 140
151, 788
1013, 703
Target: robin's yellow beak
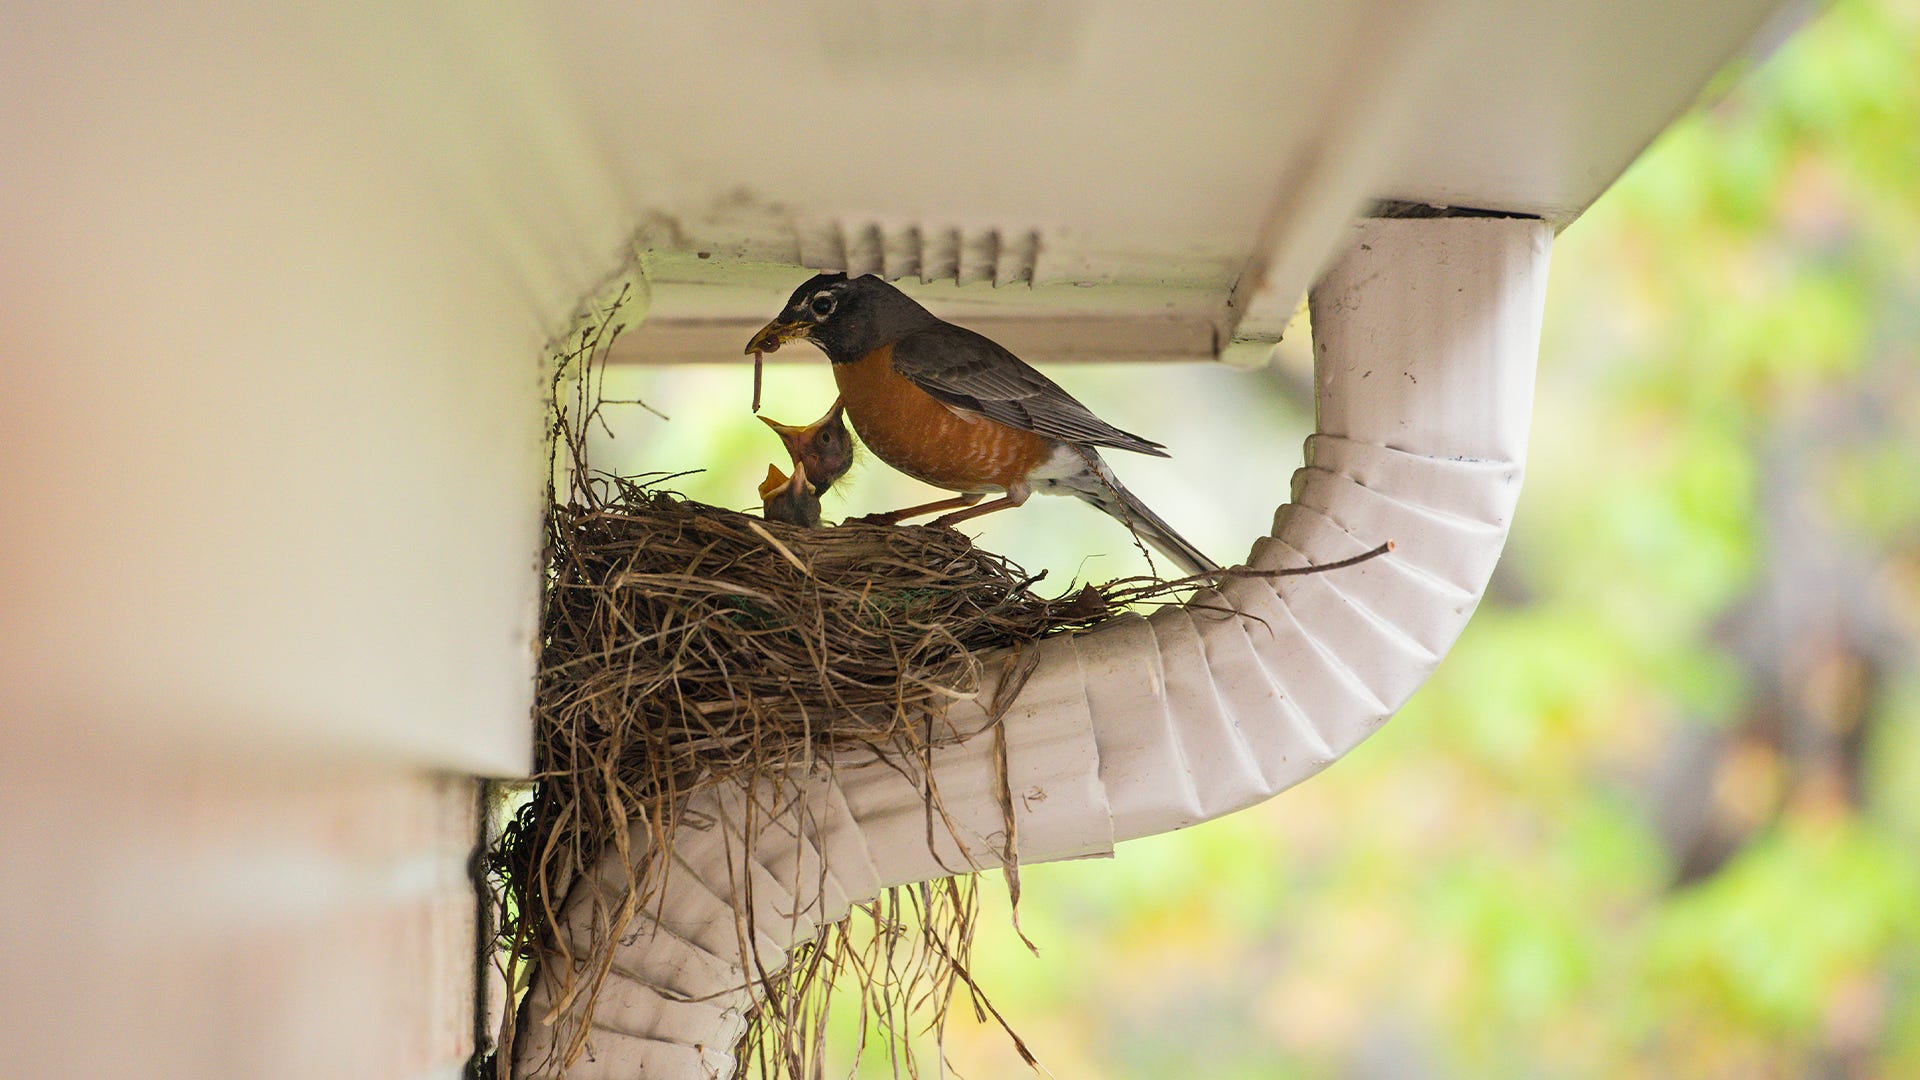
793, 435
778, 482
777, 333
787, 432
773, 483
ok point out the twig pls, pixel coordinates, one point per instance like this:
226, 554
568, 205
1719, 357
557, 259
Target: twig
1295, 571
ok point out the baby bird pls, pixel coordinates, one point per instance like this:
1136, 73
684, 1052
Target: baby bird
825, 446
790, 499
822, 452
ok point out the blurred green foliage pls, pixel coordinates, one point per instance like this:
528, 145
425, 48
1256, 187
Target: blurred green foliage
1659, 812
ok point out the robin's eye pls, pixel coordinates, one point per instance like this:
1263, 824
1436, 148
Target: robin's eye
822, 305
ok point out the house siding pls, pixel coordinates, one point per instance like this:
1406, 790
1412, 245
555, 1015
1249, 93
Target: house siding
232, 918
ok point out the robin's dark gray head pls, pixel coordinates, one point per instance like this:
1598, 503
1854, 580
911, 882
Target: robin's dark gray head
847, 317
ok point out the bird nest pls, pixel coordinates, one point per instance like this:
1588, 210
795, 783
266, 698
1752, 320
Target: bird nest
685, 646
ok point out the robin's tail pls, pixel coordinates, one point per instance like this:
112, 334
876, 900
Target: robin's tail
1105, 491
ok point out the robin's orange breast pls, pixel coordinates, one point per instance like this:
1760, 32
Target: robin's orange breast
913, 432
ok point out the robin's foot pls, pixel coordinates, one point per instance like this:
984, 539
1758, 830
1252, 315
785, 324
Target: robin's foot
895, 517
1007, 503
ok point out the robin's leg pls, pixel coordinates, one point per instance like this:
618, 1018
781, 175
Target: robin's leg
894, 517
1015, 496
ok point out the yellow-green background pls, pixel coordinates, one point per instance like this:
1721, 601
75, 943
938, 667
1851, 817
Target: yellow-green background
1704, 621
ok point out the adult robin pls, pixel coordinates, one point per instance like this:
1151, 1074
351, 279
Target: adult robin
952, 408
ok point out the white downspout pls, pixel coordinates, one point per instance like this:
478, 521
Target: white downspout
1425, 337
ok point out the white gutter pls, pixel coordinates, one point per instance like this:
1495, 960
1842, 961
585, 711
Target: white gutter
1425, 336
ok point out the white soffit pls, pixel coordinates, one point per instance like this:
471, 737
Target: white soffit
1090, 181
279, 275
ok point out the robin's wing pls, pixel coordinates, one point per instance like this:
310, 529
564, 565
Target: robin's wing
970, 372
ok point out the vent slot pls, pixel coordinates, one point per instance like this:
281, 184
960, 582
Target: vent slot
893, 252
